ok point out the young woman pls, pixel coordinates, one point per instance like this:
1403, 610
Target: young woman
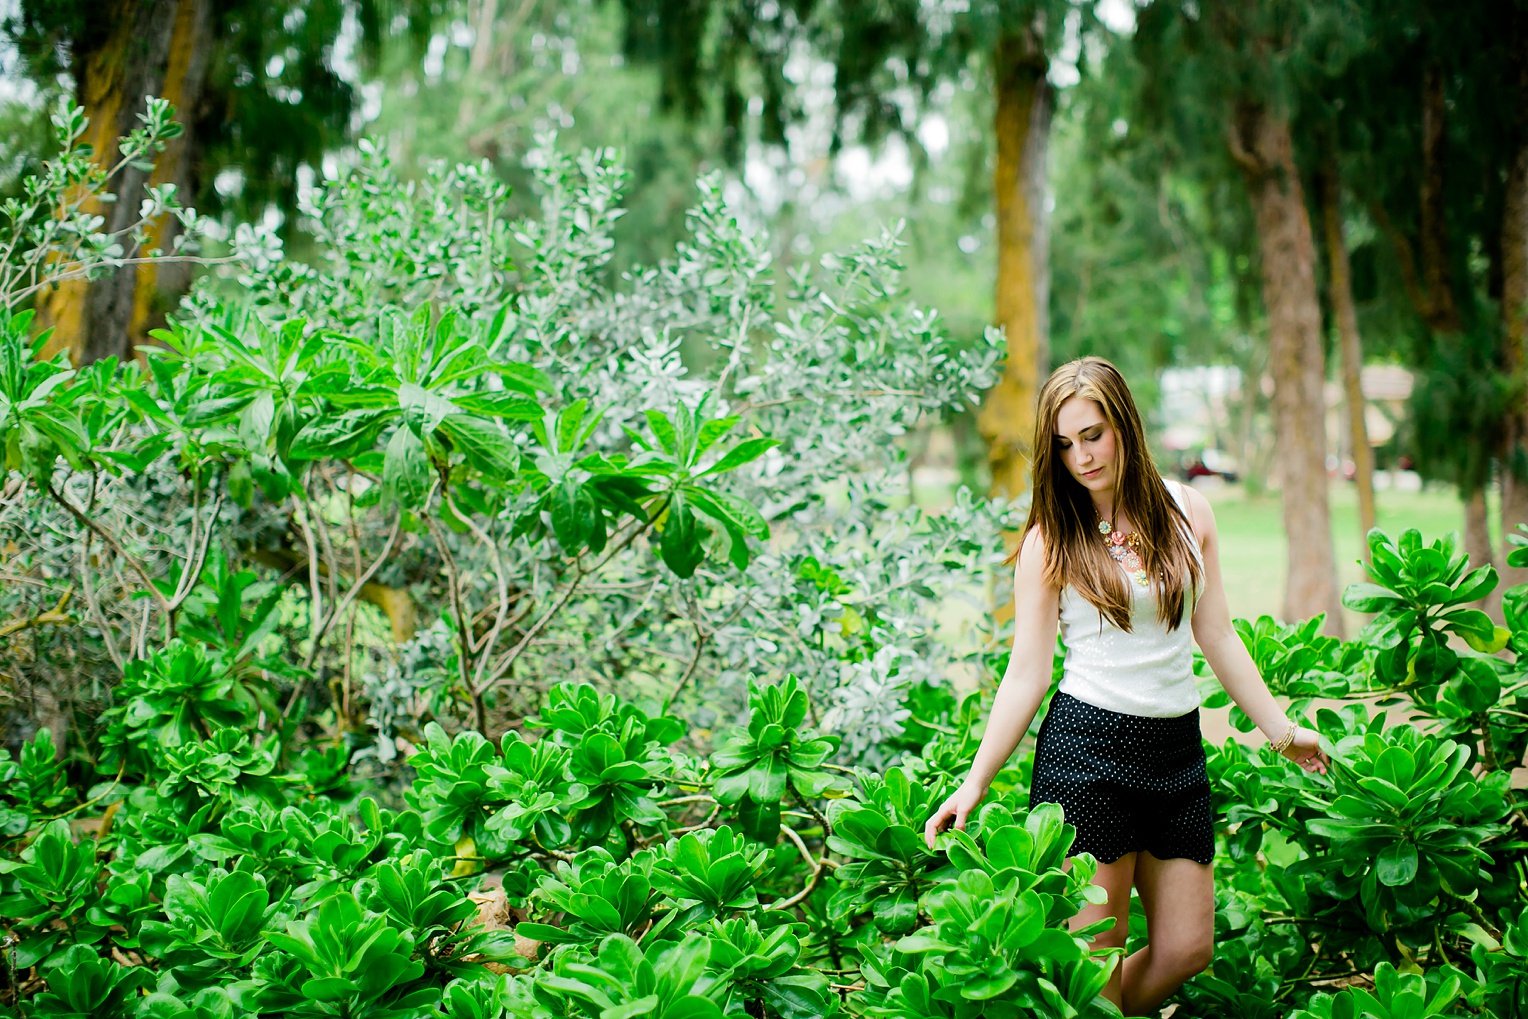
1120, 560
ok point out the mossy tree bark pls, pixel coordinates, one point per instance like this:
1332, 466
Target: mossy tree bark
140, 47
1022, 125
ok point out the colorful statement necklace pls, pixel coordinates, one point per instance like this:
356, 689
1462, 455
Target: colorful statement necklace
1126, 550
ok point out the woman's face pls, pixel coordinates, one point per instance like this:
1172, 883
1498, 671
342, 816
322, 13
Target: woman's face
1085, 443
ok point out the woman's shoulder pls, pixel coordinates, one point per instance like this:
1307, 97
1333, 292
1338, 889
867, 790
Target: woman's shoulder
1031, 548
1030, 564
1196, 507
1035, 597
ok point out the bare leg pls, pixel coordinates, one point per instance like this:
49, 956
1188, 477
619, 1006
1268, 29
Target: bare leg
1114, 878
1179, 899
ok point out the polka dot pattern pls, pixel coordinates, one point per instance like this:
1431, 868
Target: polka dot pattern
1126, 782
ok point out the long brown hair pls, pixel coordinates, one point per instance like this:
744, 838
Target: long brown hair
1063, 510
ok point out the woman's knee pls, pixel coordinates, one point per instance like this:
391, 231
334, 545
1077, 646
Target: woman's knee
1189, 957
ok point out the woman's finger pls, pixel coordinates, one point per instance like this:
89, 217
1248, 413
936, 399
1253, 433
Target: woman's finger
936, 824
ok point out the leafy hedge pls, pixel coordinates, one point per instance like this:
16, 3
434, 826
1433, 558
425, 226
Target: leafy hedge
585, 867
447, 460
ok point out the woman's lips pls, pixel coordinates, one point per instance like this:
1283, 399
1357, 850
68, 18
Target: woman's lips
1094, 471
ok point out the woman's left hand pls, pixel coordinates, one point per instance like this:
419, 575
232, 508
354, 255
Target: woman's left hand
1305, 750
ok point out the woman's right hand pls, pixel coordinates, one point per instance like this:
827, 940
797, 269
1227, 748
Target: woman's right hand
957, 807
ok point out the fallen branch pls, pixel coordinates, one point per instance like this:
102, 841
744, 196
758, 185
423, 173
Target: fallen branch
56, 616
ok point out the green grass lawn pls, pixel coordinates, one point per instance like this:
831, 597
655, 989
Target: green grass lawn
1252, 547
1252, 541
1252, 556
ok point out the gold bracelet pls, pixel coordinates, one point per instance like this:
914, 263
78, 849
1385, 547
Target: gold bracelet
1285, 740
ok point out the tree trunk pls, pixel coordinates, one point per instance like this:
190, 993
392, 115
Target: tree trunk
1022, 125
1350, 346
1514, 308
481, 15
153, 47
159, 286
1439, 309
1430, 284
1260, 141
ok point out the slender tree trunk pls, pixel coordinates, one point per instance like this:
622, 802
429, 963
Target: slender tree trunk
1022, 125
1350, 346
1424, 267
158, 287
153, 47
1260, 141
482, 14
1439, 308
1514, 307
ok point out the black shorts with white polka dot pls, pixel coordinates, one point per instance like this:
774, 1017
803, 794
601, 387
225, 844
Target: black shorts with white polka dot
1127, 783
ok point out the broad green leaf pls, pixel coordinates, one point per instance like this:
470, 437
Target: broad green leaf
339, 436
724, 506
680, 544
1369, 598
744, 452
1476, 585
760, 821
524, 378
711, 431
485, 446
1396, 864
330, 988
406, 470
513, 406
423, 409
663, 429
1500, 636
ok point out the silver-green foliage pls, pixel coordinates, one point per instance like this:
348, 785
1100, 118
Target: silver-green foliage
832, 364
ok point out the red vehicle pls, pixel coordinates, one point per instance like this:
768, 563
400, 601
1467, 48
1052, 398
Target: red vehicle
1209, 463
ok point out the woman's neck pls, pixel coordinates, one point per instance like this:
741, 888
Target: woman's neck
1104, 503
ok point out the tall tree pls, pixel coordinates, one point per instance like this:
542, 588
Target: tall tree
1442, 93
255, 88
1514, 288
1021, 130
526, 65
118, 53
1262, 143
1228, 78
1349, 344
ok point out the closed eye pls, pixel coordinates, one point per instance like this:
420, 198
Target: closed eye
1086, 438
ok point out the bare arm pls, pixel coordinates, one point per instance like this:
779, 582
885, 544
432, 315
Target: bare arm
1227, 655
1036, 610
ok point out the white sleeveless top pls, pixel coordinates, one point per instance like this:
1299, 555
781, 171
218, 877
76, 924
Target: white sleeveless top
1149, 671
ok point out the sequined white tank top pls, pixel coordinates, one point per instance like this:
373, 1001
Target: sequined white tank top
1149, 671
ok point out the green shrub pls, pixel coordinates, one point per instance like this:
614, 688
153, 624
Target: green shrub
512, 464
